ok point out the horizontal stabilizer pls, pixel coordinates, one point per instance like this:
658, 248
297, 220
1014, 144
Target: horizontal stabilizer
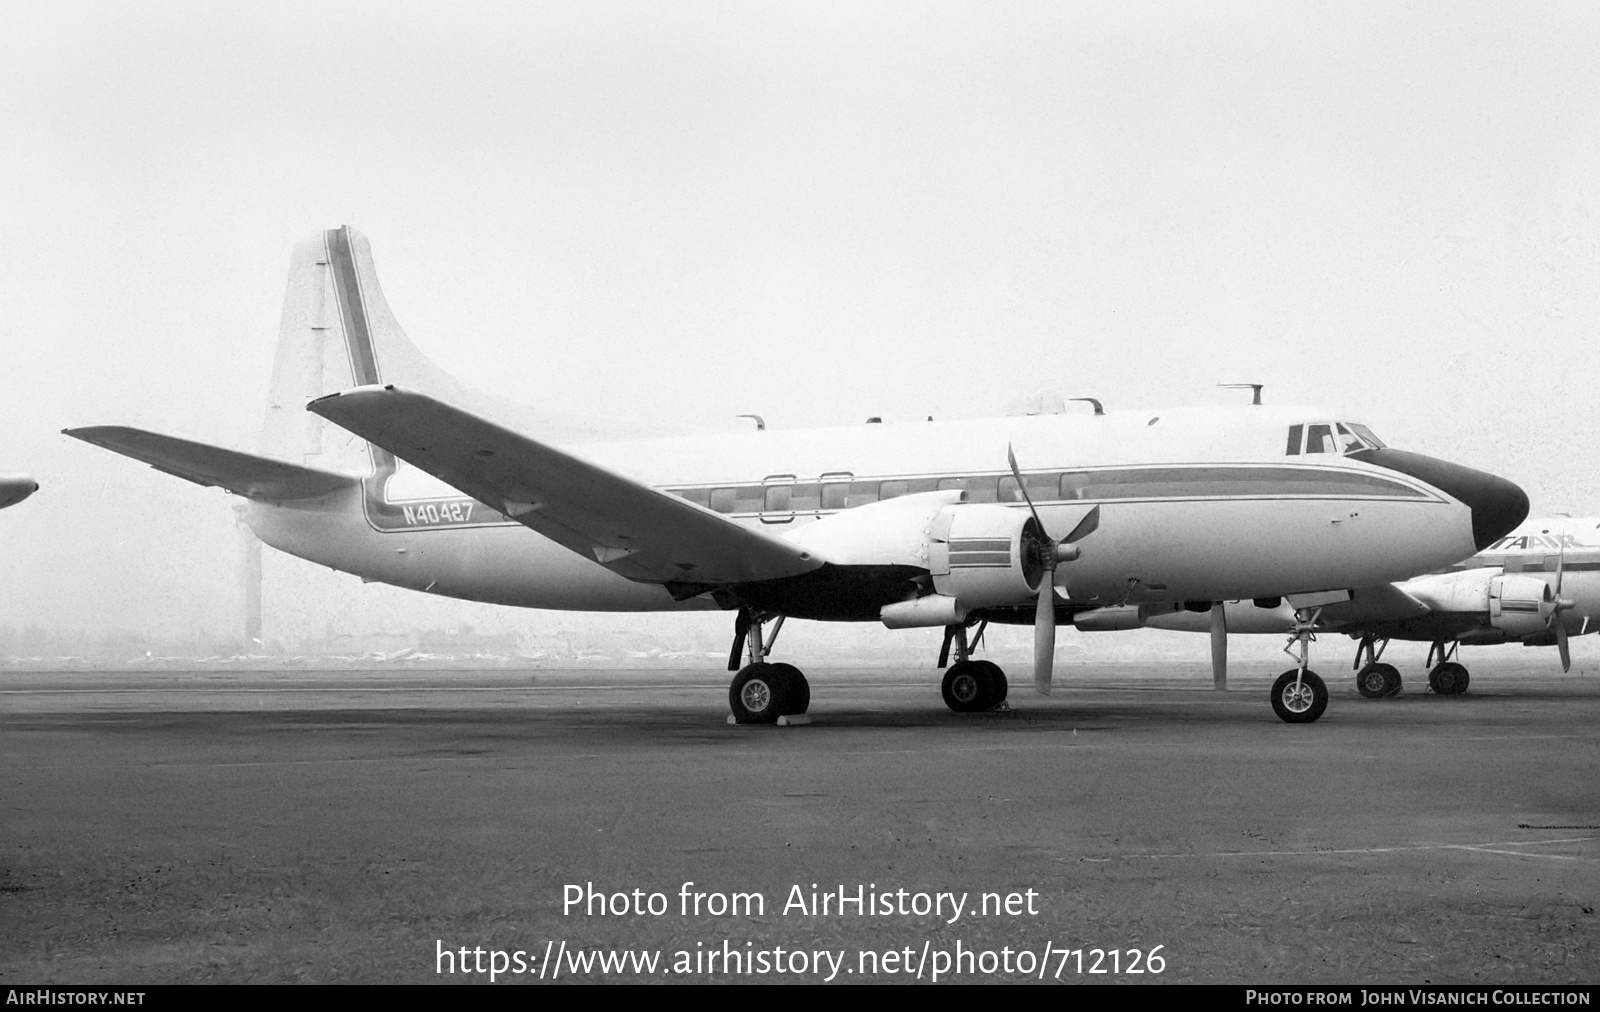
632, 529
14, 488
240, 473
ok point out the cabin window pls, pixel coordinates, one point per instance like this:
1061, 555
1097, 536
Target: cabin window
1042, 487
862, 493
891, 489
1296, 434
806, 497
778, 497
698, 496
749, 498
722, 500
835, 494
977, 489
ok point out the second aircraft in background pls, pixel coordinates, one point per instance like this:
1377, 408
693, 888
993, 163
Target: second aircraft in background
1536, 586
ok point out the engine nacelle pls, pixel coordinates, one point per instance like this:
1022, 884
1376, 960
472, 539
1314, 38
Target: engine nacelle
985, 555
1520, 605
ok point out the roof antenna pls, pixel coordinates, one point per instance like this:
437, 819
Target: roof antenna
1254, 387
760, 422
1098, 409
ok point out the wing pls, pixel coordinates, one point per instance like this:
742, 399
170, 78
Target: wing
240, 473
630, 528
1384, 603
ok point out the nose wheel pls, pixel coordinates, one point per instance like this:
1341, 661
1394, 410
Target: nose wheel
1299, 695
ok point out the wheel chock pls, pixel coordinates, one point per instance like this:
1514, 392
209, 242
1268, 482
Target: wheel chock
787, 720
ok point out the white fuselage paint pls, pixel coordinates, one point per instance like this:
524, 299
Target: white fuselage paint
1152, 549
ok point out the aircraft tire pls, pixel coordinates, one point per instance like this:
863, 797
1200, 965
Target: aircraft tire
967, 687
1373, 682
760, 694
1301, 707
1448, 679
998, 687
799, 689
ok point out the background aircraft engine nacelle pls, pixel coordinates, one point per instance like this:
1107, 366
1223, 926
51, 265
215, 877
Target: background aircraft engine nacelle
1520, 605
985, 555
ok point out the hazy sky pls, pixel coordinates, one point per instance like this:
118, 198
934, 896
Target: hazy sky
818, 212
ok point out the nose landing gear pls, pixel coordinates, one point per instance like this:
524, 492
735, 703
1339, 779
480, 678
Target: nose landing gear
1299, 695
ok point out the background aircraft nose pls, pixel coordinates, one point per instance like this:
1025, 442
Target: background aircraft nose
1498, 506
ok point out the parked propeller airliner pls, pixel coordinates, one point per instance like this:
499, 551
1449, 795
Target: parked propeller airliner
925, 524
1537, 586
14, 488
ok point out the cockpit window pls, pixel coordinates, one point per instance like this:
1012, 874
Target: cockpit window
1319, 439
1367, 436
1334, 437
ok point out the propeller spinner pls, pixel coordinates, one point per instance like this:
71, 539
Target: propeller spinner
1051, 553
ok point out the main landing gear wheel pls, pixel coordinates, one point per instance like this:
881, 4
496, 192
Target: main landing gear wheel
1378, 680
1448, 679
1299, 703
762, 692
971, 686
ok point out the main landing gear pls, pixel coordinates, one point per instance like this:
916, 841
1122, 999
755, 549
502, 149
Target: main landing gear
1447, 678
762, 692
1375, 680
1299, 696
969, 685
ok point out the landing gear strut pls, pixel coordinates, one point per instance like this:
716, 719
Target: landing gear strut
761, 691
969, 686
1299, 695
1447, 678
1375, 680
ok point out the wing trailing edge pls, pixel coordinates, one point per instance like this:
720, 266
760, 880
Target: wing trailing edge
636, 531
245, 474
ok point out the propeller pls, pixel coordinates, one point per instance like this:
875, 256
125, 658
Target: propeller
1559, 605
1219, 647
1051, 553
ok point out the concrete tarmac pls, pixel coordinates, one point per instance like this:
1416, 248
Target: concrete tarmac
196, 826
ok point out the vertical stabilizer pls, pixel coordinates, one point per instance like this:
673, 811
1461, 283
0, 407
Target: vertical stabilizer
337, 331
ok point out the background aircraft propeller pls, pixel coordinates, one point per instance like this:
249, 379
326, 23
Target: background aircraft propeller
1051, 553
1559, 605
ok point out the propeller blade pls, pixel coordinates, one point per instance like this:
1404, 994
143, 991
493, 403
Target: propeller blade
1044, 639
1561, 644
1016, 473
1087, 526
1219, 647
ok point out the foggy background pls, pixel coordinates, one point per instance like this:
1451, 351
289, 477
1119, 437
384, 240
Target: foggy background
674, 213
